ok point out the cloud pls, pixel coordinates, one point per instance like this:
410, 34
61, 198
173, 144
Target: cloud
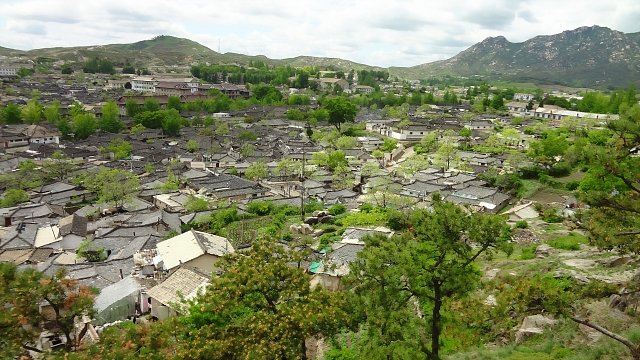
375, 32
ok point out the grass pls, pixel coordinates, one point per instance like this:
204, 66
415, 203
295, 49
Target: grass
528, 252
572, 241
529, 187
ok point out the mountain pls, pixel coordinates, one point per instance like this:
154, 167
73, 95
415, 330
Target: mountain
584, 57
169, 51
587, 56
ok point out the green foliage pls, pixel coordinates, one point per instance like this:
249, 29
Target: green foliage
331, 159
174, 102
11, 114
13, 197
340, 110
137, 129
114, 186
389, 145
298, 100
610, 185
23, 291
257, 171
377, 216
96, 65
259, 308
260, 207
196, 204
295, 114
192, 146
110, 120
86, 252
337, 209
32, 112
430, 264
572, 241
172, 123
248, 135
84, 125
132, 108
51, 112
522, 224
121, 149
528, 252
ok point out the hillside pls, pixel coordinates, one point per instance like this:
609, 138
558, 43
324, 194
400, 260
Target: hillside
171, 51
587, 56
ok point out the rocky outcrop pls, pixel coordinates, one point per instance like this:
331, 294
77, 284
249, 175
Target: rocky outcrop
533, 325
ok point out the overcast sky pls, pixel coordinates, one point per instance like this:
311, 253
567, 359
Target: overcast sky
383, 33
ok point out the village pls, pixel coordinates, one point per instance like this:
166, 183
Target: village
146, 240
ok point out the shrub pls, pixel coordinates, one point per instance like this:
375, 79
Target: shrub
397, 221
550, 215
562, 168
572, 185
522, 224
260, 207
312, 206
337, 209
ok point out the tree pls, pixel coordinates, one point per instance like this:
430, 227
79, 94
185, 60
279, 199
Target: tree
172, 123
58, 166
11, 114
151, 104
51, 112
247, 150
13, 197
611, 185
110, 120
413, 164
287, 167
174, 103
466, 133
408, 279
66, 69
340, 110
257, 171
32, 112
114, 186
132, 108
121, 149
25, 291
84, 125
192, 146
447, 154
330, 159
428, 143
260, 307
222, 129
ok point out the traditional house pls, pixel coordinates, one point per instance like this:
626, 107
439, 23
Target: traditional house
194, 249
184, 284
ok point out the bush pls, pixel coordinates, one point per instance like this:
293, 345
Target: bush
312, 206
528, 252
572, 185
397, 221
562, 168
550, 215
522, 224
337, 209
571, 241
596, 289
260, 208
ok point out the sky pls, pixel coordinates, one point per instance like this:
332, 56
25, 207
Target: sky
382, 33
